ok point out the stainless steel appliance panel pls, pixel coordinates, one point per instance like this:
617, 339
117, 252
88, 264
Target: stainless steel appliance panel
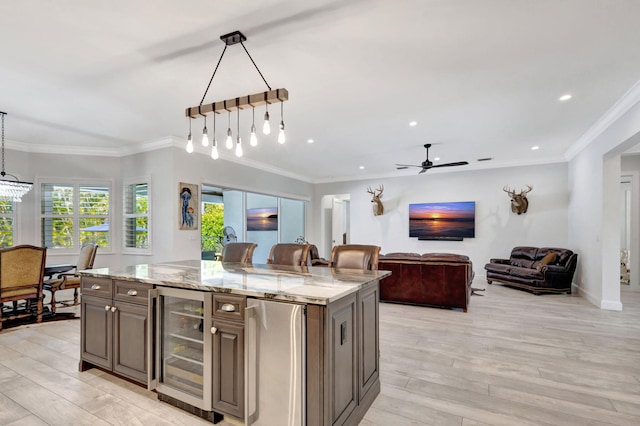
274, 363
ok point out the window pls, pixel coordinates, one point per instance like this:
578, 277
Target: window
73, 214
6, 223
136, 222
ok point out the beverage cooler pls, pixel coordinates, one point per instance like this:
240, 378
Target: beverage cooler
182, 368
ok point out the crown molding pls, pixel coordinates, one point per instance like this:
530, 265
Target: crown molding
624, 104
244, 161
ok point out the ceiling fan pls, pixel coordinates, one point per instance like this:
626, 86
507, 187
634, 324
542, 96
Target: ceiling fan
428, 164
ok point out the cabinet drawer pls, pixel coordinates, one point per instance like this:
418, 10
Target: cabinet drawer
132, 292
228, 306
100, 287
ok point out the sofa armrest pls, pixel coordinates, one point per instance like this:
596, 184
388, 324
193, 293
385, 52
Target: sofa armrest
501, 261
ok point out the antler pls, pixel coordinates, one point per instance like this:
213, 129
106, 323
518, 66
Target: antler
508, 190
526, 191
377, 192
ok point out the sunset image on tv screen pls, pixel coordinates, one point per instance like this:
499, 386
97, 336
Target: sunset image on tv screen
442, 220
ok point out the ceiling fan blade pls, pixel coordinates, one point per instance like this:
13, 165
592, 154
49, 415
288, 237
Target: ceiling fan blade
459, 163
424, 169
404, 166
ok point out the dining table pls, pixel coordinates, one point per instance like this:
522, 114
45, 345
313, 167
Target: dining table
51, 270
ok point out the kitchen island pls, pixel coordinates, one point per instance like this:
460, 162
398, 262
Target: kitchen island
264, 343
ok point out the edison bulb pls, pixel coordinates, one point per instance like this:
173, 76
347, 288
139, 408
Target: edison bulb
229, 141
239, 147
266, 128
214, 150
281, 137
205, 137
189, 144
253, 141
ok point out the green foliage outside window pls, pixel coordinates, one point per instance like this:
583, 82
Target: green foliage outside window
212, 225
58, 205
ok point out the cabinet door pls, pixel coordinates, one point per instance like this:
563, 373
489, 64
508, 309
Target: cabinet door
368, 345
228, 368
342, 359
96, 342
130, 341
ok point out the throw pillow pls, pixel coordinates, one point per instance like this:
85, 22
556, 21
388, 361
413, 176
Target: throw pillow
549, 258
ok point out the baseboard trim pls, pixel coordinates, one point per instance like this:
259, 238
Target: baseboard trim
609, 305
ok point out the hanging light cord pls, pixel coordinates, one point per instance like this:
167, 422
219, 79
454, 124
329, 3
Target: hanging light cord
254, 64
213, 75
220, 60
3, 173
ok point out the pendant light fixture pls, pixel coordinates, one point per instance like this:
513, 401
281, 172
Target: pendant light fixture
229, 141
239, 140
214, 147
11, 190
241, 102
189, 139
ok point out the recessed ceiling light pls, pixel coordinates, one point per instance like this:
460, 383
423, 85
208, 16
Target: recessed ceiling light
361, 167
436, 159
309, 140
534, 148
564, 97
413, 123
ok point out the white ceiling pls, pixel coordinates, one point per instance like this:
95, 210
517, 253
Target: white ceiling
482, 78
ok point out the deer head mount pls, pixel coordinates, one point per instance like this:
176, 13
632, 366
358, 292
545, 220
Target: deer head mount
378, 208
519, 202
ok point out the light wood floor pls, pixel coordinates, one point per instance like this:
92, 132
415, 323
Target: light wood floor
513, 359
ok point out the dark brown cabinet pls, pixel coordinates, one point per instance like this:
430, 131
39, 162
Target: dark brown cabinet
114, 327
349, 357
228, 354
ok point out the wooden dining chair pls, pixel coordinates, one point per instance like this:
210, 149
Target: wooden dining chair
238, 252
355, 256
289, 254
71, 280
21, 278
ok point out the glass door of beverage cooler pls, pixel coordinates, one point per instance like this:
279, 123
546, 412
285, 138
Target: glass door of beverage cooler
184, 351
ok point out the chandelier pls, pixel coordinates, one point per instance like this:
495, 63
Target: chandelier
235, 105
11, 190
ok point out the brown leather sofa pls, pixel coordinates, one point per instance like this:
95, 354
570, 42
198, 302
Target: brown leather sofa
540, 270
431, 279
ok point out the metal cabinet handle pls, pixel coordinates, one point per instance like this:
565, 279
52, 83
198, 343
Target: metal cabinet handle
214, 330
113, 309
228, 307
95, 287
132, 292
107, 307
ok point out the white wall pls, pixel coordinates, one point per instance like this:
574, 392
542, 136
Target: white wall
37, 165
498, 230
166, 168
594, 184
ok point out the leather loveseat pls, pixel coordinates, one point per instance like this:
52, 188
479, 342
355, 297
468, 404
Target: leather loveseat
431, 279
540, 270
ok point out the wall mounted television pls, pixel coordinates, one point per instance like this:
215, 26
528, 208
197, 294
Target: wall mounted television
442, 221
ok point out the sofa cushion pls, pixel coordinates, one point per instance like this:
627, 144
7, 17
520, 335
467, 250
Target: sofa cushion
549, 258
500, 268
445, 257
563, 255
399, 255
527, 273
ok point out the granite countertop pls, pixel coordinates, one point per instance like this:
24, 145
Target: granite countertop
315, 285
